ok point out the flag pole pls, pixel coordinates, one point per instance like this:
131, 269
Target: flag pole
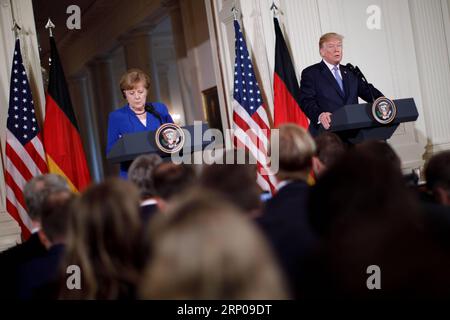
16, 28
50, 26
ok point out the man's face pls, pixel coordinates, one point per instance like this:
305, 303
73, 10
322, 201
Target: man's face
331, 51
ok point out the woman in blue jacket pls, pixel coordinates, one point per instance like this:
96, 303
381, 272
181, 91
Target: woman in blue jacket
137, 115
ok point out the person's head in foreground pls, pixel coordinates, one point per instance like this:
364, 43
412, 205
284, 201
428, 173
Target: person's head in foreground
204, 248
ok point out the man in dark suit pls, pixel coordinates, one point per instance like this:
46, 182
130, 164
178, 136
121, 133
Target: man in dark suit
285, 218
39, 277
35, 193
140, 173
328, 85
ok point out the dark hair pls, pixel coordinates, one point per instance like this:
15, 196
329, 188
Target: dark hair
56, 213
380, 149
140, 173
368, 216
171, 179
231, 179
437, 171
329, 148
358, 185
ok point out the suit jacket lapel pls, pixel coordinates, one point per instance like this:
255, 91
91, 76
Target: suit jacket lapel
330, 77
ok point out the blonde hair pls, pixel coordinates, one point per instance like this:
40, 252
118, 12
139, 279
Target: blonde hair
204, 248
296, 149
104, 241
131, 78
328, 36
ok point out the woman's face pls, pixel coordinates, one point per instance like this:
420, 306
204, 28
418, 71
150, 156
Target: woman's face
137, 96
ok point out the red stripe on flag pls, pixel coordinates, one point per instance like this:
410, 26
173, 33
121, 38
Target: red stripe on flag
12, 210
37, 157
65, 147
286, 108
253, 137
18, 163
15, 188
262, 124
261, 170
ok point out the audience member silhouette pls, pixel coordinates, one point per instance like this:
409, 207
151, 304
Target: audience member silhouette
367, 216
105, 242
204, 248
172, 180
285, 219
234, 176
35, 193
329, 148
39, 276
140, 173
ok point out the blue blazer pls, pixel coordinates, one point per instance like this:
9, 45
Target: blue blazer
320, 92
124, 120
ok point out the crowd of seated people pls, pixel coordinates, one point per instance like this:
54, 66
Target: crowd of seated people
172, 232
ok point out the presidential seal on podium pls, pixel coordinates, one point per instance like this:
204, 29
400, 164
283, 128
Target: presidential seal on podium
170, 138
384, 110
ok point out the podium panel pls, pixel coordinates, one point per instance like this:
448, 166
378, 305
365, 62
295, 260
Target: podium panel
133, 145
355, 123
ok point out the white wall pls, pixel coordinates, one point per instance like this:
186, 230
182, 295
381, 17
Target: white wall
407, 57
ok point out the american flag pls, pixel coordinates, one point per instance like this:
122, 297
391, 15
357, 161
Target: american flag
25, 157
250, 122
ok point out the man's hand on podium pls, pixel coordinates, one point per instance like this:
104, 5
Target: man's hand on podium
325, 120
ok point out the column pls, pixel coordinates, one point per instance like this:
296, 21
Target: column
83, 107
433, 60
183, 64
105, 94
138, 54
164, 89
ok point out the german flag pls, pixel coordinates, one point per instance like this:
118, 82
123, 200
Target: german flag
62, 142
285, 85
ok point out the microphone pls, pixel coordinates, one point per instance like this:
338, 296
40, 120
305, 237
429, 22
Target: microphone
151, 109
356, 71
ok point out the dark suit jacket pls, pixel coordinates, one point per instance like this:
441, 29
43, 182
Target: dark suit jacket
147, 212
40, 273
286, 226
319, 92
11, 259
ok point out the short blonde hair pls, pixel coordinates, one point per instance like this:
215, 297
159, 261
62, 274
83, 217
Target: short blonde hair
296, 149
131, 78
328, 36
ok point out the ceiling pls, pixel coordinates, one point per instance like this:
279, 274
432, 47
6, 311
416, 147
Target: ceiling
56, 11
92, 12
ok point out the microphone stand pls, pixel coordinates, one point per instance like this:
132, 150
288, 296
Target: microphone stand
355, 70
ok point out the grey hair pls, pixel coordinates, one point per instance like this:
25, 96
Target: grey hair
140, 173
38, 189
